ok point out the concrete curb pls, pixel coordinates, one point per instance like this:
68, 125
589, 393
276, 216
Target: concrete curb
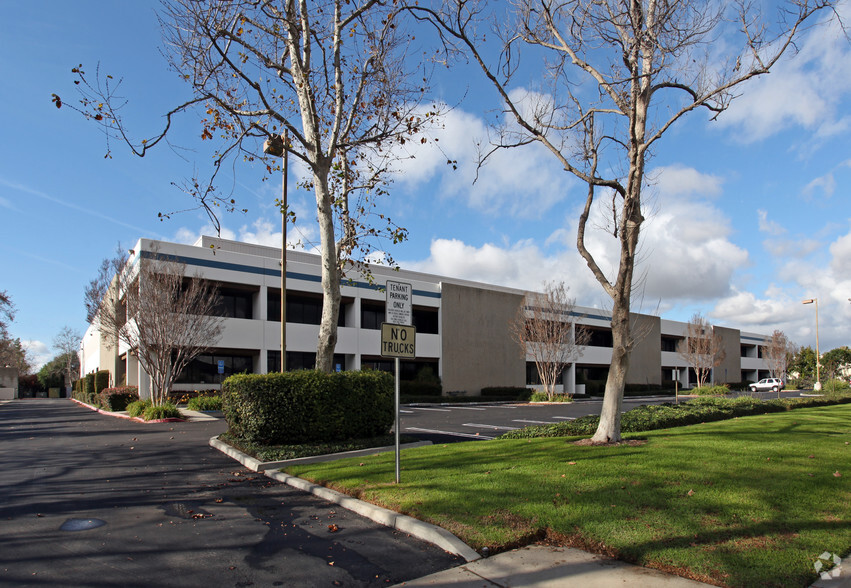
126, 416
252, 463
416, 528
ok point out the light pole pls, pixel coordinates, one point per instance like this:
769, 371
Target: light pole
276, 146
817, 386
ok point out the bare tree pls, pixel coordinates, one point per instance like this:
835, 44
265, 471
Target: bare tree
163, 317
545, 328
775, 351
615, 76
702, 349
67, 343
13, 353
334, 76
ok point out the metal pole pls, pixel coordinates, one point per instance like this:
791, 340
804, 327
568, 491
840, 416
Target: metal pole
398, 423
818, 355
284, 259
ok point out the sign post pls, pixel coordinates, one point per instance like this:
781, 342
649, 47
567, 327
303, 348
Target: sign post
398, 339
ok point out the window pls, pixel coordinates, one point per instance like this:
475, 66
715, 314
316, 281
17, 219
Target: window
670, 343
425, 320
204, 369
408, 370
302, 308
599, 337
371, 314
235, 303
300, 360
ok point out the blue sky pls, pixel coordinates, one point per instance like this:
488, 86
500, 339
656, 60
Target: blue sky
747, 215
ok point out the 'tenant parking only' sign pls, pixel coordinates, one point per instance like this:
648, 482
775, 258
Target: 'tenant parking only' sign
399, 304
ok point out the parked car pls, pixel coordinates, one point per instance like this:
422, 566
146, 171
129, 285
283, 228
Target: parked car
765, 384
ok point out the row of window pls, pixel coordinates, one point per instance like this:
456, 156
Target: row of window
214, 368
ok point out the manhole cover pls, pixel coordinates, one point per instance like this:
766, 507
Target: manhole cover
81, 524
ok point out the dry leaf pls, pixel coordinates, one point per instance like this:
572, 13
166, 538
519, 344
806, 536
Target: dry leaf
837, 475
691, 492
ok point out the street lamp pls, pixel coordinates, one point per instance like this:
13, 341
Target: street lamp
817, 386
276, 146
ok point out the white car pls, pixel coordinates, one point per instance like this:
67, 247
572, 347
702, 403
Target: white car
773, 384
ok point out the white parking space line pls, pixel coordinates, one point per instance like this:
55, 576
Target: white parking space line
406, 411
451, 433
565, 418
495, 427
534, 422
431, 409
468, 408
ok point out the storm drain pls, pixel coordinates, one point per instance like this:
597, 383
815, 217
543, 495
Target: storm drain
81, 524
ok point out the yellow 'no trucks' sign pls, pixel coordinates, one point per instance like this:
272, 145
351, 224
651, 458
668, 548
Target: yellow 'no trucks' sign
398, 340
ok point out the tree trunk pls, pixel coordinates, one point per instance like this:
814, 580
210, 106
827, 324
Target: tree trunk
327, 341
609, 429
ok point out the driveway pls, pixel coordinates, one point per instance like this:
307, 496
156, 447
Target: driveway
92, 500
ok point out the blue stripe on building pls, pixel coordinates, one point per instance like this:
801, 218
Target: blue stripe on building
238, 267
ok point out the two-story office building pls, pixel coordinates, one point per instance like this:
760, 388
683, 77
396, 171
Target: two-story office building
463, 327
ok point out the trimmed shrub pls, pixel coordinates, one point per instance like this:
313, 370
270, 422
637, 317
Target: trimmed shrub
415, 388
161, 411
512, 392
101, 381
709, 391
541, 396
117, 399
595, 387
89, 384
308, 406
137, 407
642, 389
205, 403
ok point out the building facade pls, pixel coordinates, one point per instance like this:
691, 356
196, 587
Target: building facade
463, 328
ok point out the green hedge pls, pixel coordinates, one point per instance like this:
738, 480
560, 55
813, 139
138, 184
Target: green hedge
513, 392
205, 403
117, 399
88, 384
101, 381
308, 406
417, 388
720, 390
663, 416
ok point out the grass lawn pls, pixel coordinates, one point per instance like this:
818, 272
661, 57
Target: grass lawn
751, 501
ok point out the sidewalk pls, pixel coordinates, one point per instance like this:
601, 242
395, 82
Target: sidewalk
539, 566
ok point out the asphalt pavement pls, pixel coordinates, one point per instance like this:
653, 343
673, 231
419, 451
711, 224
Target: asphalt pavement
91, 500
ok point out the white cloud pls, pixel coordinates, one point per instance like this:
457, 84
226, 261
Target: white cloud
524, 182
780, 307
840, 249
679, 180
824, 185
769, 226
803, 90
685, 251
39, 352
786, 248
521, 265
261, 231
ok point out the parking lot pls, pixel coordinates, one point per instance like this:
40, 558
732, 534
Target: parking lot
446, 423
458, 422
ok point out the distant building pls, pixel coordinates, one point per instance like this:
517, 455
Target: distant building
463, 332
